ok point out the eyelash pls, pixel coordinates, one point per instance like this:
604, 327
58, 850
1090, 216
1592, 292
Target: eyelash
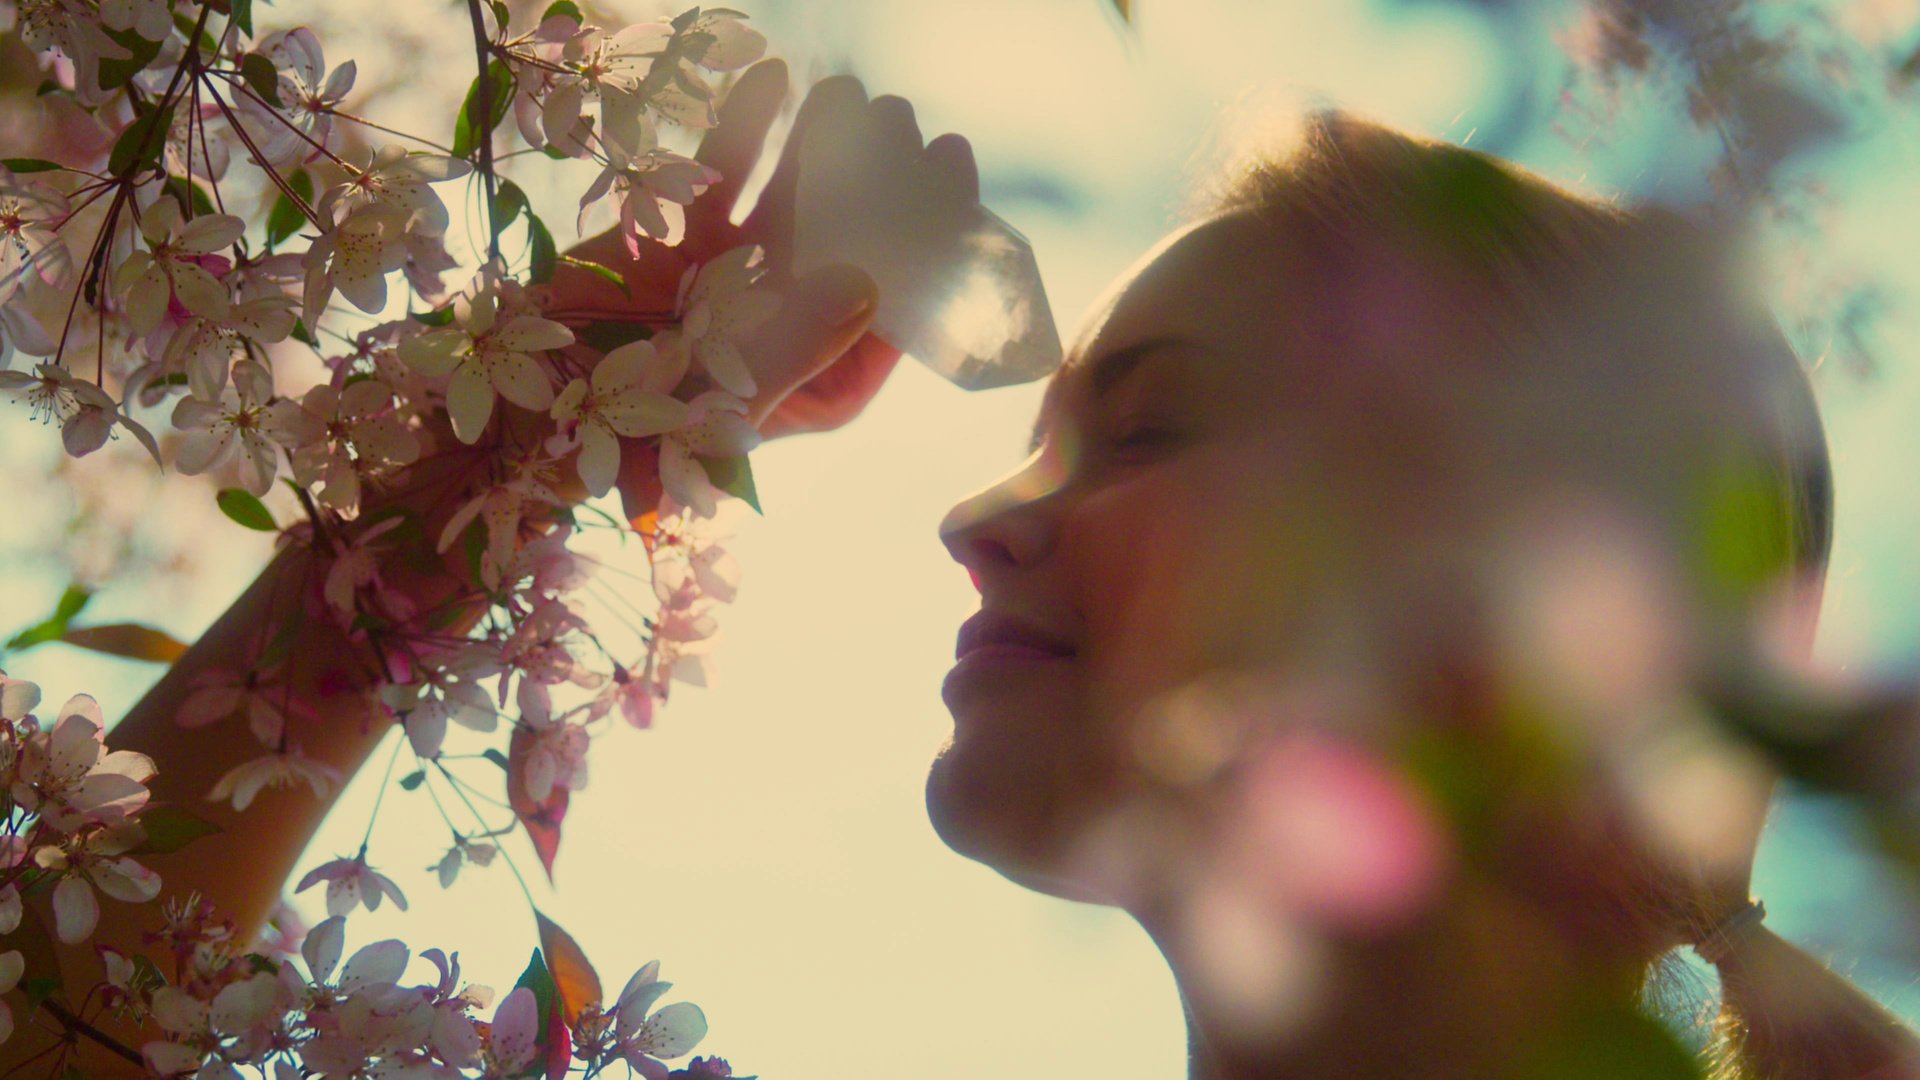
1143, 435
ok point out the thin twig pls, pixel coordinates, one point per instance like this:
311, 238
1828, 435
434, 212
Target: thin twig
78, 1026
483, 124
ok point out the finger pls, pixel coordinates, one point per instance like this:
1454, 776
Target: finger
833, 100
822, 316
951, 168
733, 146
894, 126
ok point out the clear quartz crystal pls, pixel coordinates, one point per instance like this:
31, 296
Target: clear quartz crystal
959, 288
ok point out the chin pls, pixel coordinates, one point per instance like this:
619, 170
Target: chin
1024, 813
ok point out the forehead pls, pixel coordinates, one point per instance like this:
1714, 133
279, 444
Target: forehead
1200, 282
1213, 286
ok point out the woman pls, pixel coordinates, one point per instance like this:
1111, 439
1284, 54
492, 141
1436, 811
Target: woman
1401, 468
1275, 573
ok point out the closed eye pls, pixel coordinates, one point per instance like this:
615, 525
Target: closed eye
1141, 439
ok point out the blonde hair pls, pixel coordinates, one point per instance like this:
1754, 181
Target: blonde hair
1540, 263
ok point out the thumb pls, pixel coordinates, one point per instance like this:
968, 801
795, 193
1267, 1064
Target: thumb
821, 316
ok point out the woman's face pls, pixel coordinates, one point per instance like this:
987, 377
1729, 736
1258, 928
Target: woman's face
1225, 446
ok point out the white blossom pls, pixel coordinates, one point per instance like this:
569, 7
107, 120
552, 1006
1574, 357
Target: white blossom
484, 353
627, 395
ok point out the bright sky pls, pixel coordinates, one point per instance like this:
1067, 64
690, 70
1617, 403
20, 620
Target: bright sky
766, 840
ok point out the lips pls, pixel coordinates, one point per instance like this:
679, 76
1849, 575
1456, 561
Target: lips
1001, 634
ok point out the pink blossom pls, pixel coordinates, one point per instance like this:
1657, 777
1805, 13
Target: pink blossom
351, 882
287, 768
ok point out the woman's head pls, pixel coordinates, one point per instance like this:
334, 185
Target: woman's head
1389, 412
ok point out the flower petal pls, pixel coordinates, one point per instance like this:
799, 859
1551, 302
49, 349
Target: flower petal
599, 460
521, 380
469, 403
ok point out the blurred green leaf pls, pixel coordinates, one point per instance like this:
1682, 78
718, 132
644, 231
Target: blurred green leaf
286, 218
115, 74
467, 133
244, 508
734, 476
241, 15
605, 273
263, 77
39, 990
566, 8
413, 779
508, 202
70, 604
29, 165
170, 828
141, 143
543, 256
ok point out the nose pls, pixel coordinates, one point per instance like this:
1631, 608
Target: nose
1008, 525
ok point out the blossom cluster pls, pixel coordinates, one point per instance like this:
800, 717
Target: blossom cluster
78, 813
474, 397
454, 426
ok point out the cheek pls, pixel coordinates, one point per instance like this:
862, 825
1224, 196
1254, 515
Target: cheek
1180, 569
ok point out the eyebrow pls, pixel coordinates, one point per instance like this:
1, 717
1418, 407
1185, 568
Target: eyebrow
1103, 373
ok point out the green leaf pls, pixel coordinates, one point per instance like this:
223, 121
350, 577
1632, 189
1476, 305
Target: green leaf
413, 779
131, 640
501, 15
170, 828
244, 508
607, 336
115, 74
39, 990
304, 335
280, 647
191, 197
508, 202
467, 133
29, 165
208, 47
494, 755
473, 544
262, 76
145, 973
539, 980
140, 145
242, 16
71, 601
543, 254
286, 218
599, 270
564, 8
437, 317
734, 476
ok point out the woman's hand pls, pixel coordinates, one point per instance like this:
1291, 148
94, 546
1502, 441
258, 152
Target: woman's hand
815, 363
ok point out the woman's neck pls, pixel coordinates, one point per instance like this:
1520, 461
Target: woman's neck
1479, 983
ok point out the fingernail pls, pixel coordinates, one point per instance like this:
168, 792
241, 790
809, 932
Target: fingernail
849, 294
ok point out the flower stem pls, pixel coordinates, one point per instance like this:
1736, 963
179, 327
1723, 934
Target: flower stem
77, 1026
483, 123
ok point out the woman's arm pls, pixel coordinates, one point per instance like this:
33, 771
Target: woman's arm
816, 367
